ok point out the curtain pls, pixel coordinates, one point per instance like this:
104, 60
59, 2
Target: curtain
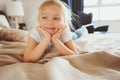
75, 5
77, 8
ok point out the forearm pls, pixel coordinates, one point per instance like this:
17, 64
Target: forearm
63, 49
37, 52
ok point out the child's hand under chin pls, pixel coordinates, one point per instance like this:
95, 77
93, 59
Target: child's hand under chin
45, 34
59, 32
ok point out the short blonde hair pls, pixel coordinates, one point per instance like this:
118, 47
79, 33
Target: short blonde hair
63, 6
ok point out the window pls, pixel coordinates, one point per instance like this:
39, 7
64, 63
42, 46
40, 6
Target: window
103, 9
110, 1
95, 12
90, 2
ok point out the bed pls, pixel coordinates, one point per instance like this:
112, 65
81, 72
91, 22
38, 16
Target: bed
98, 59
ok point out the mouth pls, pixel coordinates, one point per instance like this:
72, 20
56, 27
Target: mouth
51, 28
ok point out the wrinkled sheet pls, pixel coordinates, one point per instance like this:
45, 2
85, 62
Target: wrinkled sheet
100, 61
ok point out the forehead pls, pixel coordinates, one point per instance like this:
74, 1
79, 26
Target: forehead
49, 3
51, 9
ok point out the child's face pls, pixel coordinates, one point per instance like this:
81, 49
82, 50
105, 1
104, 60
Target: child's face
51, 18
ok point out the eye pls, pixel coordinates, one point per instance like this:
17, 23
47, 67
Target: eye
44, 17
56, 18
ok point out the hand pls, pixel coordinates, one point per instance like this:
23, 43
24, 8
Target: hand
59, 32
45, 34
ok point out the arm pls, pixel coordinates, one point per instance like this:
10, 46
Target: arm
64, 48
34, 50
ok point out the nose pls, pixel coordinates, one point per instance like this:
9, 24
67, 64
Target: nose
50, 22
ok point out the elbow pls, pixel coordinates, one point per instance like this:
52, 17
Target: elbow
74, 53
68, 53
29, 60
26, 60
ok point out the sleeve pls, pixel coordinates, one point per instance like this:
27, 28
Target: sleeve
66, 36
35, 35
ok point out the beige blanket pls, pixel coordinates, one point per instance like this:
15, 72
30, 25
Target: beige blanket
99, 65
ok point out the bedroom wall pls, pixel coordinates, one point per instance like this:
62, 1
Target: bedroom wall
31, 10
2, 5
30, 18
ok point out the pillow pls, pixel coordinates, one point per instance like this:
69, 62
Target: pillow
79, 32
13, 35
2, 26
4, 22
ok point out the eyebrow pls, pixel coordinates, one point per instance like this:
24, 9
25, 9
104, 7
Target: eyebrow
54, 15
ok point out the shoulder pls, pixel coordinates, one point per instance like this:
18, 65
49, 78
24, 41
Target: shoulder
34, 30
35, 35
66, 36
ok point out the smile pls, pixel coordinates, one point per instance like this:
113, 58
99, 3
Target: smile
51, 28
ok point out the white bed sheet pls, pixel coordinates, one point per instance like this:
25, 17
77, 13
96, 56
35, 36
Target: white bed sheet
109, 42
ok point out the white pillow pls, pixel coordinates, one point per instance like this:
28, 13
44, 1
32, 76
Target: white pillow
4, 21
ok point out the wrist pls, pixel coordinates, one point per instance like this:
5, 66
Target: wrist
54, 40
46, 40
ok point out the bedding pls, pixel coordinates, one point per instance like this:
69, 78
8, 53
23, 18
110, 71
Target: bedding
100, 61
109, 42
13, 35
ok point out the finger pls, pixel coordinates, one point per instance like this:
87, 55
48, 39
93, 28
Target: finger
40, 30
61, 31
61, 28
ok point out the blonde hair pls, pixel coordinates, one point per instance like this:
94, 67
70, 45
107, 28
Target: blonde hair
63, 6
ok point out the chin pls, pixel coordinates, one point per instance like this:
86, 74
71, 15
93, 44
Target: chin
51, 33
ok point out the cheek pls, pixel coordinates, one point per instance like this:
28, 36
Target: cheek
42, 23
60, 24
